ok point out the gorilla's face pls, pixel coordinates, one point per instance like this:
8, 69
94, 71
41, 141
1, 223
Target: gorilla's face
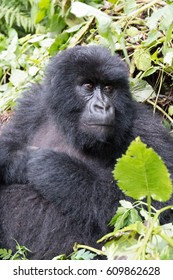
90, 96
98, 116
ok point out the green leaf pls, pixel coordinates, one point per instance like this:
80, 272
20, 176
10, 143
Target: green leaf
153, 35
33, 70
59, 43
119, 220
113, 1
75, 28
121, 248
82, 10
40, 16
126, 204
132, 31
130, 6
44, 4
83, 255
141, 172
14, 40
142, 59
170, 110
79, 34
168, 58
141, 90
18, 77
133, 217
149, 72
125, 215
60, 257
36, 38
5, 254
162, 16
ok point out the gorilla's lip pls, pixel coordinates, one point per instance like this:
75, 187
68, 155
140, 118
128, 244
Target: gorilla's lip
98, 124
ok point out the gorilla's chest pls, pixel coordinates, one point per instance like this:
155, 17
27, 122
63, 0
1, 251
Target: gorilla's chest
48, 136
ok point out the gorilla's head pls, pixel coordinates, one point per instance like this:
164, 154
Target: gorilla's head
88, 91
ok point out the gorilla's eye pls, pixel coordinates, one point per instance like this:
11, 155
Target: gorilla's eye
108, 88
88, 86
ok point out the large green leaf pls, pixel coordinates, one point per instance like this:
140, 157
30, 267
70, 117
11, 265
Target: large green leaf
141, 172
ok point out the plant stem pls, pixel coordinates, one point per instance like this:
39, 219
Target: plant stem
149, 205
98, 252
168, 239
161, 110
149, 231
143, 8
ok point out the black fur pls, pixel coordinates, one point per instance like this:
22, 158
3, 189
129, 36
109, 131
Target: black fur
55, 174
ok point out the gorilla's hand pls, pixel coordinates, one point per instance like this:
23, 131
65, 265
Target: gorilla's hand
16, 167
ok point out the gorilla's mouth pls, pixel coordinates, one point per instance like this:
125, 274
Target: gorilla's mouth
98, 125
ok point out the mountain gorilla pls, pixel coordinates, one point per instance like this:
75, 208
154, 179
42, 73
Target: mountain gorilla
58, 151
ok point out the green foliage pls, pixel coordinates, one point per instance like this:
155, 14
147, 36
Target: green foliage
142, 59
103, 21
146, 240
5, 254
12, 13
141, 173
20, 254
141, 90
22, 61
125, 216
81, 254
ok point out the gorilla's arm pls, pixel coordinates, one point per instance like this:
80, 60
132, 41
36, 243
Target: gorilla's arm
58, 177
13, 158
153, 133
15, 137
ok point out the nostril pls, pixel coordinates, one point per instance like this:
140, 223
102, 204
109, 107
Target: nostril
102, 107
98, 107
107, 106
